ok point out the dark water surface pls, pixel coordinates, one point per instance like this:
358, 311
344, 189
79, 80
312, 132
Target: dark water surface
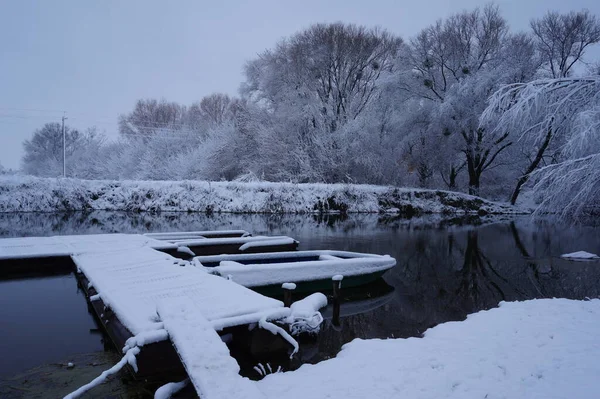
43, 320
447, 268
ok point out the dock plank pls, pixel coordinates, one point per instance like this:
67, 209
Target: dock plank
56, 246
133, 282
212, 371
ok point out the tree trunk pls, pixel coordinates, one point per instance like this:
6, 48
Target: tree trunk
474, 185
534, 164
474, 176
452, 178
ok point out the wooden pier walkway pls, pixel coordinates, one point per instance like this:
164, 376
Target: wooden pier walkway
61, 246
132, 283
16, 250
212, 371
154, 304
157, 298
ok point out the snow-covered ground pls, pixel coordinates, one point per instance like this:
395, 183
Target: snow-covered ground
31, 194
545, 348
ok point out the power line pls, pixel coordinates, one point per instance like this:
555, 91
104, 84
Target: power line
156, 136
149, 125
30, 109
176, 130
27, 116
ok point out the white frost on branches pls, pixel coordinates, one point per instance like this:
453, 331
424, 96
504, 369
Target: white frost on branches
568, 111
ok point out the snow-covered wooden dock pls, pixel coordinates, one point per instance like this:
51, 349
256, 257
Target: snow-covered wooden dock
162, 311
60, 246
132, 283
212, 371
18, 253
158, 298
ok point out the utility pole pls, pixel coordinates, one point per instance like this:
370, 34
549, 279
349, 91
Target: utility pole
64, 147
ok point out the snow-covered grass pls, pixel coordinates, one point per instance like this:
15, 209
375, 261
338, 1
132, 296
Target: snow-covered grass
31, 194
544, 348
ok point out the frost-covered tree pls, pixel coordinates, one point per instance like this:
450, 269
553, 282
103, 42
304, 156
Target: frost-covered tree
334, 67
232, 148
344, 103
308, 87
458, 118
44, 151
85, 161
566, 110
444, 60
151, 116
211, 112
217, 108
562, 39
456, 65
594, 68
457, 47
370, 147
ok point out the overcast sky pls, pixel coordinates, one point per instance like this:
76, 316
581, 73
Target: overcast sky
94, 59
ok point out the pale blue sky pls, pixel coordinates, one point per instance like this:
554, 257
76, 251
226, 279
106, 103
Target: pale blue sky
94, 59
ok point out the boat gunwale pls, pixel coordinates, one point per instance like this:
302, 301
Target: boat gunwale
358, 264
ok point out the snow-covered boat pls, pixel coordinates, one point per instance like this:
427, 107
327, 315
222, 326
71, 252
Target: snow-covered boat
242, 244
194, 235
309, 270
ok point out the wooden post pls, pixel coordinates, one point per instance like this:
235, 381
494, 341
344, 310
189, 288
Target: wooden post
288, 288
337, 298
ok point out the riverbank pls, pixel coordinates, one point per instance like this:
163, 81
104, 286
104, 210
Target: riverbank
31, 194
543, 348
55, 380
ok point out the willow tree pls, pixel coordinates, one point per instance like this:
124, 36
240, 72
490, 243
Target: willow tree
564, 112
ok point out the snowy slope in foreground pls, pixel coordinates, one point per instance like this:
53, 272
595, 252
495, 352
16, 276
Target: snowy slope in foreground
535, 349
30, 194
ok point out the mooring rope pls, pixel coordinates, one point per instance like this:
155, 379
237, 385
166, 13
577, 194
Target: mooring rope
265, 324
129, 358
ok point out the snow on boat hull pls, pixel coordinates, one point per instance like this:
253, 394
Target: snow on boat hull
323, 285
232, 245
310, 270
190, 235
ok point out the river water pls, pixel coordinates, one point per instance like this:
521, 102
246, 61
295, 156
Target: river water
446, 269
